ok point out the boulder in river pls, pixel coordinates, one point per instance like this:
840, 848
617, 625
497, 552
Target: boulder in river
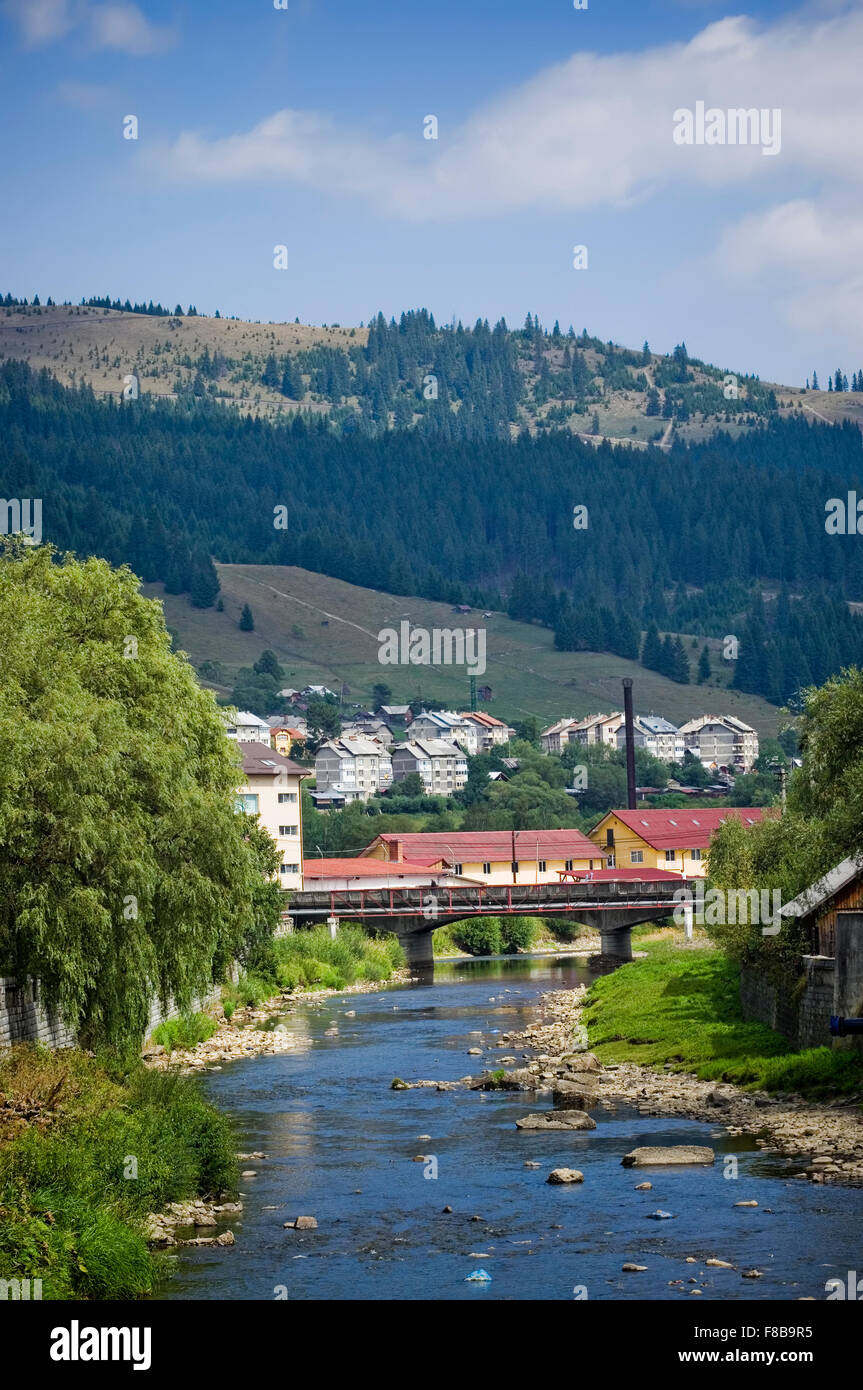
565, 1175
670, 1155
556, 1119
519, 1080
574, 1095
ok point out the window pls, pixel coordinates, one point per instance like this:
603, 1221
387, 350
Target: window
287, 798
248, 802
636, 856
696, 853
541, 866
486, 868
457, 868
609, 836
288, 829
514, 868
669, 856
290, 869
568, 865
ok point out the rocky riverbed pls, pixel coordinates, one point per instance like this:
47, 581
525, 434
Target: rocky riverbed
827, 1137
246, 1033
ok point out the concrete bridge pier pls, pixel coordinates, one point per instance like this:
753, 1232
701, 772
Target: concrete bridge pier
415, 939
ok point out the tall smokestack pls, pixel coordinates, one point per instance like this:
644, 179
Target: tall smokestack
630, 743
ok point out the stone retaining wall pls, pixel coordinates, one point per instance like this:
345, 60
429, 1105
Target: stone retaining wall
24, 1019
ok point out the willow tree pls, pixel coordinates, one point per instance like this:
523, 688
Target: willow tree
125, 871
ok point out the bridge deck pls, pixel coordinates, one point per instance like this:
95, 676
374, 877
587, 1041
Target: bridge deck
539, 899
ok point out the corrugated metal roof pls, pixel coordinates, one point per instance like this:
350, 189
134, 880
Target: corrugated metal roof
682, 829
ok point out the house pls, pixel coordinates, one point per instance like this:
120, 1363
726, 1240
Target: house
320, 690
440, 764
830, 913
340, 875
355, 766
598, 729
271, 791
284, 737
676, 840
657, 736
444, 724
491, 732
721, 740
485, 692
248, 728
396, 716
493, 856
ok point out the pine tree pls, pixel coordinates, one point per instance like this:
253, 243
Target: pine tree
680, 663
651, 654
815, 386
247, 622
704, 668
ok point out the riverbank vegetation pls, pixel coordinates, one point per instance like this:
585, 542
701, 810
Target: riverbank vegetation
683, 1007
312, 959
85, 1154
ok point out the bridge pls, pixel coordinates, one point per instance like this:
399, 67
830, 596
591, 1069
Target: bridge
611, 906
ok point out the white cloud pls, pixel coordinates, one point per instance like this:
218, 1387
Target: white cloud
118, 24
595, 129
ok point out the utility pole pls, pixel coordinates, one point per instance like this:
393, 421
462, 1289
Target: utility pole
473, 694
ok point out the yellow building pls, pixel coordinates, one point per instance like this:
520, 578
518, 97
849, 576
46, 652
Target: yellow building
493, 856
674, 840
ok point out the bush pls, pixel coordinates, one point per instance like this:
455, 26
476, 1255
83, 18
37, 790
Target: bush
184, 1032
479, 935
249, 992
518, 933
313, 957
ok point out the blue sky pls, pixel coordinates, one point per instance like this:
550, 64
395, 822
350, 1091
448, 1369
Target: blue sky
304, 127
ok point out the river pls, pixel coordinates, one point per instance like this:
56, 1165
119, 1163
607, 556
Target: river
341, 1146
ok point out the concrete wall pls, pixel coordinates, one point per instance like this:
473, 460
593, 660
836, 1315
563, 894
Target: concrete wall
816, 1002
24, 1019
803, 1015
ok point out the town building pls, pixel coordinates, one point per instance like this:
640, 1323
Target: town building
493, 856
285, 738
248, 728
341, 875
271, 791
355, 767
677, 840
555, 738
721, 740
491, 732
441, 765
446, 725
396, 716
656, 736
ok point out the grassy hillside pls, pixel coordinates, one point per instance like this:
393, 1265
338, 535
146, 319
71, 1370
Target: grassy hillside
101, 346
324, 631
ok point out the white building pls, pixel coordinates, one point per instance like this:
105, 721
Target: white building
441, 765
555, 738
721, 740
248, 728
271, 791
357, 768
491, 732
657, 736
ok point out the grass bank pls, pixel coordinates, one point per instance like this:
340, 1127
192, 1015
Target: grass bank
85, 1155
683, 1007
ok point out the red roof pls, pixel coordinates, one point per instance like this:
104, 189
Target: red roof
647, 875
686, 829
360, 868
482, 718
490, 846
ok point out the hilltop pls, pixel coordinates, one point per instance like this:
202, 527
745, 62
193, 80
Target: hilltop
324, 631
378, 376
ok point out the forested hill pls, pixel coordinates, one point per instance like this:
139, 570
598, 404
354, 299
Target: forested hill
687, 539
452, 381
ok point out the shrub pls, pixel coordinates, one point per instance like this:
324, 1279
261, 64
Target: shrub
479, 935
518, 933
184, 1032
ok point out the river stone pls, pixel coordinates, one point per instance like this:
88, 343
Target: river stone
570, 1095
630, 1268
671, 1154
519, 1080
557, 1119
564, 1175
302, 1223
581, 1061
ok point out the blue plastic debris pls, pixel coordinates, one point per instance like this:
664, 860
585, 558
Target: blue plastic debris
479, 1276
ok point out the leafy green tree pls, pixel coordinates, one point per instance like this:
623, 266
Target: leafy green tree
267, 664
322, 717
126, 872
411, 785
381, 695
